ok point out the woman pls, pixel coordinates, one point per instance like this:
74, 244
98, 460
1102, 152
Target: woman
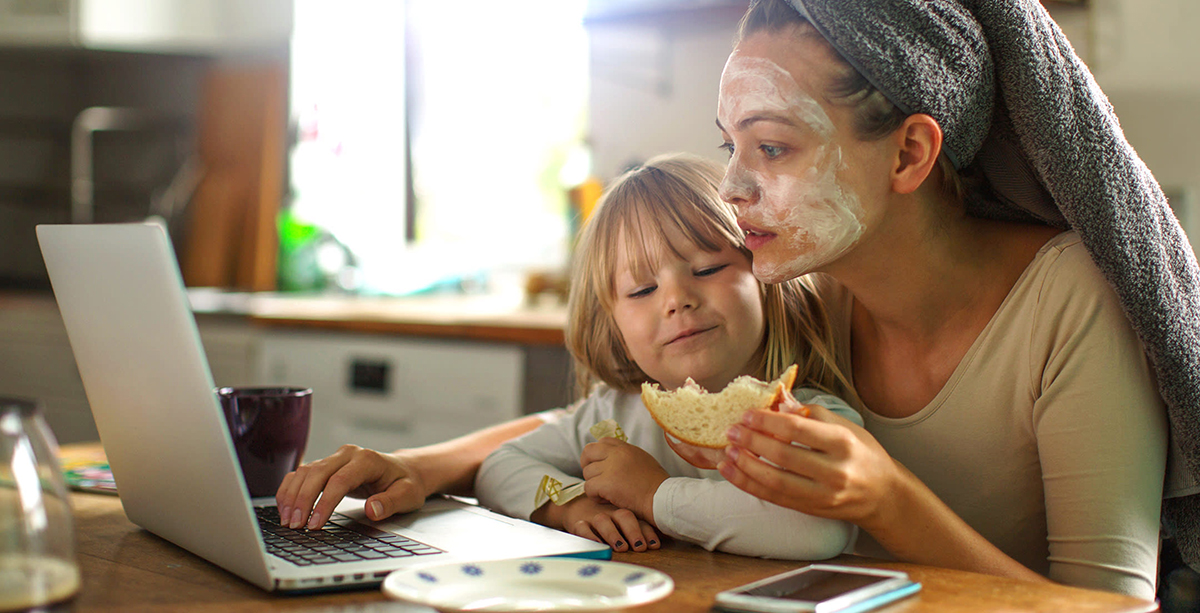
1013, 425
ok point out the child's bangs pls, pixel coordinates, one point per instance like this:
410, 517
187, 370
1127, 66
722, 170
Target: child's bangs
651, 229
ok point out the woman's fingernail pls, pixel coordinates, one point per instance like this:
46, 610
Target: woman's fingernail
653, 542
296, 521
620, 544
732, 453
734, 433
314, 521
284, 514
376, 509
637, 544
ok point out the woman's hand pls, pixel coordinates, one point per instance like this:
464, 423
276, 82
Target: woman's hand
390, 482
838, 470
700, 457
622, 474
601, 522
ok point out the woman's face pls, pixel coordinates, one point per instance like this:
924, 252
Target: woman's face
796, 174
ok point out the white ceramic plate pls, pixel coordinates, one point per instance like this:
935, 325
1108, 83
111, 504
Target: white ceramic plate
530, 584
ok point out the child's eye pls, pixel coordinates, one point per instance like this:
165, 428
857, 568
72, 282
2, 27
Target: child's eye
644, 291
711, 270
728, 147
771, 151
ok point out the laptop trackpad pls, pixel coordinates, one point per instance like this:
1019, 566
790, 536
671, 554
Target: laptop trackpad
461, 528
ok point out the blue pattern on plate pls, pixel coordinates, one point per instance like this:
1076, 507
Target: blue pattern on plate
634, 577
472, 570
589, 570
531, 568
427, 577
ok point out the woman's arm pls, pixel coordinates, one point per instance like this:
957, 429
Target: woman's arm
391, 483
845, 474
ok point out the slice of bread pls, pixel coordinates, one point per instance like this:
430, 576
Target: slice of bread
699, 418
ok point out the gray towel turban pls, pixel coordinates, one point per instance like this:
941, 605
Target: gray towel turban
1016, 104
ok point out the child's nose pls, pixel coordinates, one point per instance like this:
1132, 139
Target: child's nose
680, 297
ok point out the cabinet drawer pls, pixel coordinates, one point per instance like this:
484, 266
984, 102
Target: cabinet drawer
387, 393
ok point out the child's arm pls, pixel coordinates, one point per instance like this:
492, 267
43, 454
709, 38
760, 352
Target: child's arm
711, 512
508, 479
714, 514
718, 516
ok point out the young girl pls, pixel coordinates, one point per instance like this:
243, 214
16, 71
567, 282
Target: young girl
662, 290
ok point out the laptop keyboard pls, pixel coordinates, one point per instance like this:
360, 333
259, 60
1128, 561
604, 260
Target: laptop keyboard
341, 540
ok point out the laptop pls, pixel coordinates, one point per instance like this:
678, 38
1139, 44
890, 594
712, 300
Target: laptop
135, 341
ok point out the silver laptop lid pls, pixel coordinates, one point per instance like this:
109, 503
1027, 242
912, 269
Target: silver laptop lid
147, 380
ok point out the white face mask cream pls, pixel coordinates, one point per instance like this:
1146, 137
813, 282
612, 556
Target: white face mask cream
814, 217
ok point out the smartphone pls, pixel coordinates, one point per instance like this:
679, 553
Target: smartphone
820, 588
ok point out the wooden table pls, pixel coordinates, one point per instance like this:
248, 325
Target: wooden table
126, 568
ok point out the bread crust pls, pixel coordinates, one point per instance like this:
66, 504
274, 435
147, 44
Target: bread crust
657, 401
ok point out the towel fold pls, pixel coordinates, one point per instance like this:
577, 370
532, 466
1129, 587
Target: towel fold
1018, 105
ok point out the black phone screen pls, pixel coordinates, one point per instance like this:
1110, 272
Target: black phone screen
815, 585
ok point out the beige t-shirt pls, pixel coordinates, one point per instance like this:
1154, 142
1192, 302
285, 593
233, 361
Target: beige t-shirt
1050, 437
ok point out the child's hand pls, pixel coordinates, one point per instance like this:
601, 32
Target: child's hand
622, 474
601, 522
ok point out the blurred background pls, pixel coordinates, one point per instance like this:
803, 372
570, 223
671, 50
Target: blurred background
388, 147
351, 185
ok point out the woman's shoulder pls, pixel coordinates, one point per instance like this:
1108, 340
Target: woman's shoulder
1065, 295
1064, 268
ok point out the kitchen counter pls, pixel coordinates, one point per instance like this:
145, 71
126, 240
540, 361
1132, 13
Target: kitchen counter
493, 317
489, 317
416, 348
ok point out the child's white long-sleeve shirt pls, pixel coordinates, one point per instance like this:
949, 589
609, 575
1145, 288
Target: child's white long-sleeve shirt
695, 505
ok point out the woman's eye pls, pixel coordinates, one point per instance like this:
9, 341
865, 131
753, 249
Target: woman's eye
771, 151
711, 270
727, 147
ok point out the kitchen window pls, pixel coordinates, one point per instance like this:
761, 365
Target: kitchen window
432, 139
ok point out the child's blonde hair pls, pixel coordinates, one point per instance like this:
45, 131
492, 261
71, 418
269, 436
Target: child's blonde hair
680, 191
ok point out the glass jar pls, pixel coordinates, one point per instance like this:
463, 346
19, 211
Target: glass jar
37, 536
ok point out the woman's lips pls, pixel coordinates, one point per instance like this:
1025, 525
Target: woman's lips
755, 237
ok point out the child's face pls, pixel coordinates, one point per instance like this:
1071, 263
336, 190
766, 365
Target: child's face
700, 316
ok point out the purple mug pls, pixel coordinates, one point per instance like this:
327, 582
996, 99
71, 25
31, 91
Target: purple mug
269, 426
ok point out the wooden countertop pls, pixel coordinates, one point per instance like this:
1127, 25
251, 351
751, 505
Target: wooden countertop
492, 318
501, 317
126, 568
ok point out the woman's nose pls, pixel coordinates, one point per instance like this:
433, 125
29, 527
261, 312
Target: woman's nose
737, 187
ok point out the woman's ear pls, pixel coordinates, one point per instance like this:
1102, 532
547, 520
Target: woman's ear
919, 142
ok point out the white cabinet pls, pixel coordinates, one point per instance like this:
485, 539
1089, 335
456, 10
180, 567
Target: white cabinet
387, 393
36, 363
